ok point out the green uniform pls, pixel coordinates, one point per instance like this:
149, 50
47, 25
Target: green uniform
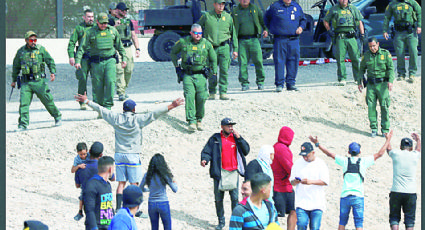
249, 25
200, 55
219, 30
124, 75
380, 71
407, 17
103, 45
344, 21
82, 73
31, 63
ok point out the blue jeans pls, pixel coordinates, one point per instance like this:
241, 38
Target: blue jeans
286, 55
358, 209
159, 209
303, 216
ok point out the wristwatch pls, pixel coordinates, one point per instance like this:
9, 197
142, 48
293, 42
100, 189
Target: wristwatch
138, 49
317, 144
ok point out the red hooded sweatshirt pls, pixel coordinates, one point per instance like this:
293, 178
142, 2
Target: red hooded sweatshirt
282, 162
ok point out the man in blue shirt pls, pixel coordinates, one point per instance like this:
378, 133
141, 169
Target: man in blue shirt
285, 19
124, 219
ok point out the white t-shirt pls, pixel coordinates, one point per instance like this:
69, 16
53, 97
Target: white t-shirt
404, 170
310, 197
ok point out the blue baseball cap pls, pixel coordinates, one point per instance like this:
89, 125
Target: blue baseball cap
306, 148
129, 105
132, 196
35, 225
354, 148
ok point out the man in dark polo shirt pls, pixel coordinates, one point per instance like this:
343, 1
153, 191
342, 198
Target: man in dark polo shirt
226, 151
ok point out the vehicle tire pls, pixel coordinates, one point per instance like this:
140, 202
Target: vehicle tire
150, 48
163, 45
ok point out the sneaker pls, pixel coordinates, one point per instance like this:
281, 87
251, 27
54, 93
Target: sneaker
140, 214
341, 83
224, 97
83, 106
400, 78
245, 88
121, 97
78, 216
192, 127
292, 88
411, 79
279, 89
199, 126
21, 128
58, 122
212, 96
373, 134
260, 87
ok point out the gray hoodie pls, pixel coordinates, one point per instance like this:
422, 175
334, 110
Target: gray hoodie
128, 126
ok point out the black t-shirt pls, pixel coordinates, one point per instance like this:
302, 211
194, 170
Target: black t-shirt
98, 202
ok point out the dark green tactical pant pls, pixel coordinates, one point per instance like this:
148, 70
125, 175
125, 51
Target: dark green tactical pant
223, 62
82, 75
342, 45
41, 89
401, 40
250, 49
124, 75
195, 94
103, 82
378, 92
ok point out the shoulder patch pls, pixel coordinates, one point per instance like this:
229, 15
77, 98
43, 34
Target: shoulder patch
387, 7
389, 55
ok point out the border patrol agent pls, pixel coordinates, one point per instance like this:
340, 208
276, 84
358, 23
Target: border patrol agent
380, 77
407, 17
31, 60
197, 53
128, 37
219, 30
77, 36
103, 41
285, 19
112, 10
249, 25
345, 18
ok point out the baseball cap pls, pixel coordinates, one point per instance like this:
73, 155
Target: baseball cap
29, 34
34, 225
129, 105
219, 1
132, 196
406, 142
354, 148
113, 6
306, 148
102, 18
96, 147
227, 121
122, 6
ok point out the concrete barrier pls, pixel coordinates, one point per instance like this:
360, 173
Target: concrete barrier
58, 49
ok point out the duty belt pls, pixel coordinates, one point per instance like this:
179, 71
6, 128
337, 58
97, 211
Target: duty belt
245, 37
290, 37
97, 59
32, 77
223, 43
350, 34
377, 80
190, 72
404, 27
86, 56
127, 43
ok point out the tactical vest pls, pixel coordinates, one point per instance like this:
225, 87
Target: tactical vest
353, 168
194, 56
124, 29
104, 39
32, 61
403, 13
344, 18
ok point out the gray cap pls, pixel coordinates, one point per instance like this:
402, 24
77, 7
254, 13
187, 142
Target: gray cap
113, 6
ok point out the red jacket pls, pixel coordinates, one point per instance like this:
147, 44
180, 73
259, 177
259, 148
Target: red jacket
282, 162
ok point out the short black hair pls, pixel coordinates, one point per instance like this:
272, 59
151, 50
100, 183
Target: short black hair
258, 181
88, 11
81, 146
372, 39
104, 163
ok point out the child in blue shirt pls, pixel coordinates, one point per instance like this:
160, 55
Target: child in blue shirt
80, 163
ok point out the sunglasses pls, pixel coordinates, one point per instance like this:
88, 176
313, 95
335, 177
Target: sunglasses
32, 40
196, 33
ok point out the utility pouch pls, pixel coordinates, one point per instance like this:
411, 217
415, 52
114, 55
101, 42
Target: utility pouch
18, 82
206, 71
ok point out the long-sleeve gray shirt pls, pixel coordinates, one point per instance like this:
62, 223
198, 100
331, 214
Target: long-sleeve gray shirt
157, 190
128, 126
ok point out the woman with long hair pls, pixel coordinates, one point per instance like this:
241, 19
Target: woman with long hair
156, 179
